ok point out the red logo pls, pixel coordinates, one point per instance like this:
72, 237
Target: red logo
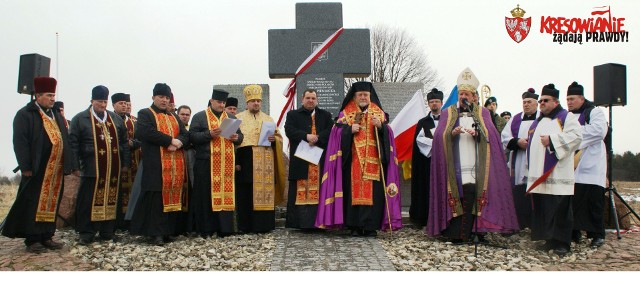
518, 27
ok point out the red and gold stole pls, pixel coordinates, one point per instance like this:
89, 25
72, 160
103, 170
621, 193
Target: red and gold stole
126, 179
307, 190
365, 167
106, 152
173, 164
52, 182
222, 168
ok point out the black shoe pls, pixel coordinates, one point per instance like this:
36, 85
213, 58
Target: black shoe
561, 251
369, 233
355, 233
84, 241
112, 238
50, 244
546, 246
577, 238
157, 241
222, 235
36, 248
456, 241
169, 239
597, 242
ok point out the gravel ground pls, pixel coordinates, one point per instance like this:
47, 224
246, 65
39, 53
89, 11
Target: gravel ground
411, 250
250, 252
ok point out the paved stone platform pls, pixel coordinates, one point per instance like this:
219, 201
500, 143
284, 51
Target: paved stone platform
328, 251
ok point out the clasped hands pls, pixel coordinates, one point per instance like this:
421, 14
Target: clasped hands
375, 120
175, 145
460, 129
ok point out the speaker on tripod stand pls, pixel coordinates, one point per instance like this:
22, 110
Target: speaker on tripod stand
610, 89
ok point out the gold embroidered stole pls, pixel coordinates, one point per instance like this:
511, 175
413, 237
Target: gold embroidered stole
126, 179
484, 162
222, 167
307, 189
365, 167
53, 174
107, 160
173, 165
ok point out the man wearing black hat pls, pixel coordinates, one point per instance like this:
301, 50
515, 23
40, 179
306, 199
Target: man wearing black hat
231, 106
421, 159
99, 139
361, 189
553, 138
212, 206
506, 115
492, 105
515, 138
590, 164
312, 125
164, 170
119, 102
41, 146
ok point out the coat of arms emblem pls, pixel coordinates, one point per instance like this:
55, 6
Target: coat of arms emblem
518, 27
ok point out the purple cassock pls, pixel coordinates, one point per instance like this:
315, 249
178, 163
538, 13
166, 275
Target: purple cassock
331, 206
495, 199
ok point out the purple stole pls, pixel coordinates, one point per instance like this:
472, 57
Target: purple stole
550, 160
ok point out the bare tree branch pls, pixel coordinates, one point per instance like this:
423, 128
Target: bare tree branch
397, 57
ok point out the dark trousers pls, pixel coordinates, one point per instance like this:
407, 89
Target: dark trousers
522, 202
460, 227
32, 239
86, 228
552, 218
588, 210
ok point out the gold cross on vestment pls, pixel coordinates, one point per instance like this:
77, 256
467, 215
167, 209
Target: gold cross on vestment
102, 151
466, 75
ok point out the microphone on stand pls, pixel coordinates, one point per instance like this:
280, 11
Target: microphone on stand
468, 104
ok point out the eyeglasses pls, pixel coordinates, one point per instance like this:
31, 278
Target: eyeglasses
544, 100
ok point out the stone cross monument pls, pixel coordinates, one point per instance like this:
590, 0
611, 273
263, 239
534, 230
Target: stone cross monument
349, 56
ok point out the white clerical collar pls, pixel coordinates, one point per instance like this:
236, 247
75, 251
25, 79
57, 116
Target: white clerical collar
52, 117
97, 117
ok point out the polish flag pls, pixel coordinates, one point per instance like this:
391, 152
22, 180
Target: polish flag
404, 125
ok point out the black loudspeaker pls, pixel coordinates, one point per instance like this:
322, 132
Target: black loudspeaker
610, 85
31, 66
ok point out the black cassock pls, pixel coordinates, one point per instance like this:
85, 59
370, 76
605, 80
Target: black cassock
202, 219
297, 126
358, 217
250, 221
420, 169
32, 148
148, 217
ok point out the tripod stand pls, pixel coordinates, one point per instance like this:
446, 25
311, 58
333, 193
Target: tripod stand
611, 189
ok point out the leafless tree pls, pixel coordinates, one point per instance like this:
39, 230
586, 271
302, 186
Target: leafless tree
397, 57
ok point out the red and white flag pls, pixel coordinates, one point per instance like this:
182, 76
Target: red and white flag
290, 91
404, 125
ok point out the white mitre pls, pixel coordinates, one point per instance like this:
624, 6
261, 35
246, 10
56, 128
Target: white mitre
467, 81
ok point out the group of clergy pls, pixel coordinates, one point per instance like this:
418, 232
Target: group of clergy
146, 174
159, 175
553, 183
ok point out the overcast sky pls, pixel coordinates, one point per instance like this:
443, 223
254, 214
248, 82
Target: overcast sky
129, 46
